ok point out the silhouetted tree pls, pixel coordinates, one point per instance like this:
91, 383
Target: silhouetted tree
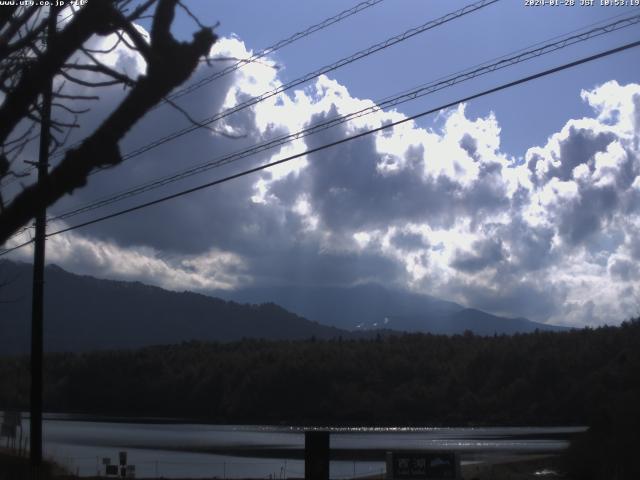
28, 63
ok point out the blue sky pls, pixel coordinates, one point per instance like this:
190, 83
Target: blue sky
524, 203
495, 31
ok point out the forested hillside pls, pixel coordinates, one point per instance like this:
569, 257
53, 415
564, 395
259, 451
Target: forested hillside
586, 377
540, 378
86, 313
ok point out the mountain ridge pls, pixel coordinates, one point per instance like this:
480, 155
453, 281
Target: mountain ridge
88, 313
134, 314
372, 306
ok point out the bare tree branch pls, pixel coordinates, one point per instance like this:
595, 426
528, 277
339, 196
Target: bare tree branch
139, 43
86, 83
6, 14
69, 109
103, 69
8, 48
76, 97
15, 24
193, 17
31, 83
169, 64
137, 13
104, 51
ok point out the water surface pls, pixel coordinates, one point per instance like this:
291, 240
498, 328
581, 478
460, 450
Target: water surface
191, 450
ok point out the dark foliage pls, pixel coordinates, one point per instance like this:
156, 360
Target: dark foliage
587, 377
29, 63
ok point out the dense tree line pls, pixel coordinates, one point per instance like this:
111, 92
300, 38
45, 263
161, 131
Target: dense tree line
587, 377
576, 377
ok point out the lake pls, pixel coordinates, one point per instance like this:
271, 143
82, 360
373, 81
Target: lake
167, 449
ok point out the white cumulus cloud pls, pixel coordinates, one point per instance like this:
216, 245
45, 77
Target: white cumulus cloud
442, 210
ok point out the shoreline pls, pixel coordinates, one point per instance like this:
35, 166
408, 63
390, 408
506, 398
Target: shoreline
293, 427
499, 466
536, 467
480, 454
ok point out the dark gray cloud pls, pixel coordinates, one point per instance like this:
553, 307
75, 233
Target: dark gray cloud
269, 237
409, 241
582, 217
625, 270
530, 247
469, 145
578, 147
635, 245
603, 191
351, 190
483, 254
191, 224
449, 186
511, 295
308, 265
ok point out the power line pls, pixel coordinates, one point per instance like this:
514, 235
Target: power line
17, 247
425, 89
31, 168
343, 140
309, 76
356, 136
344, 61
276, 46
586, 30
241, 63
37, 297
392, 101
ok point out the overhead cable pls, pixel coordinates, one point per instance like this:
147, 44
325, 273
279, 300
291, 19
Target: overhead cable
309, 76
276, 46
387, 126
253, 58
389, 102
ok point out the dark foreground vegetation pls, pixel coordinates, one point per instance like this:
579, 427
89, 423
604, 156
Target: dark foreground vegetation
584, 377
577, 377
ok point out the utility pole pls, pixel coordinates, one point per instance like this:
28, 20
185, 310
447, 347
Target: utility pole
37, 300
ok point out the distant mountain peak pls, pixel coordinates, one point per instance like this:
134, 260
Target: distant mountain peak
371, 306
86, 313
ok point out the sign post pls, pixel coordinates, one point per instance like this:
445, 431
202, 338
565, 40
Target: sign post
316, 455
421, 465
11, 420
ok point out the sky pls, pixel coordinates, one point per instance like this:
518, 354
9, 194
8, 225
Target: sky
524, 203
